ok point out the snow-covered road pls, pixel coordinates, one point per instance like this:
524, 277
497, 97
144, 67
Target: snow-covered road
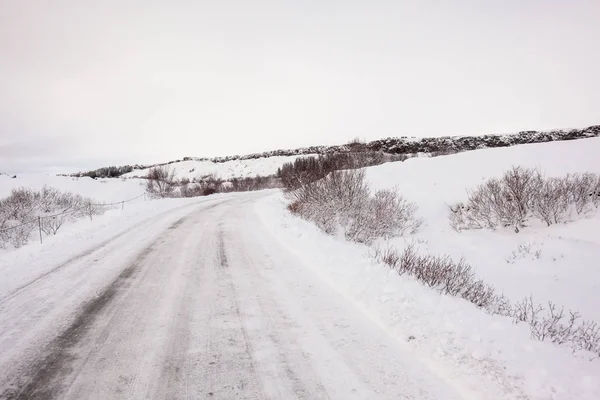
198, 303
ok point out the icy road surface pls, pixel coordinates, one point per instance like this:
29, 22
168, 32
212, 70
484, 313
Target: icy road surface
198, 303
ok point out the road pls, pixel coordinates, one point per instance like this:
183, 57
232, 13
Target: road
206, 307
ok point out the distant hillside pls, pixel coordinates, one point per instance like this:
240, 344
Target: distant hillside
401, 145
198, 169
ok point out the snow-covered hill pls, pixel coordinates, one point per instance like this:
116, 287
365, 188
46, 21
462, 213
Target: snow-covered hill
566, 271
101, 190
266, 163
242, 168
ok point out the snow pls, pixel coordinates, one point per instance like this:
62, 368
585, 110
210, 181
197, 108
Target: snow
565, 268
199, 302
101, 190
294, 287
557, 263
481, 356
20, 266
245, 168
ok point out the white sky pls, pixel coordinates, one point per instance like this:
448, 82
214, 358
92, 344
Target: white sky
86, 83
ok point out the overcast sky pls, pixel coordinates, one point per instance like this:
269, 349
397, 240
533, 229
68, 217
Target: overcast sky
87, 83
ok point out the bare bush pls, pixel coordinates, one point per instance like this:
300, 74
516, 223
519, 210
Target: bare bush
583, 191
388, 255
524, 193
251, 184
16, 214
391, 214
552, 201
305, 170
48, 208
453, 278
441, 273
506, 201
209, 184
160, 181
553, 324
203, 186
342, 202
520, 186
191, 190
51, 225
16, 235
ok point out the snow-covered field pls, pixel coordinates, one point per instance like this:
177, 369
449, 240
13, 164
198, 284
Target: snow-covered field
101, 190
225, 170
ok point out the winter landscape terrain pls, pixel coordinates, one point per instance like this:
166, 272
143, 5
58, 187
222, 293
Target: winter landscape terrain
234, 295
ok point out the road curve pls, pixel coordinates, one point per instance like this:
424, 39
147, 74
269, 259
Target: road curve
209, 309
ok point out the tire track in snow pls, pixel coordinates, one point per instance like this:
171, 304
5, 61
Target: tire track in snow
465, 390
96, 248
232, 370
42, 380
276, 325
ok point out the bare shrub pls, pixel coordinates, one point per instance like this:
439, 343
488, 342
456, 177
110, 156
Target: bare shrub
191, 190
211, 185
501, 306
48, 208
440, 273
453, 278
553, 324
250, 184
202, 186
391, 214
444, 152
342, 201
16, 235
523, 193
305, 170
505, 202
520, 187
160, 181
583, 191
524, 250
51, 225
552, 201
446, 276
587, 337
16, 215
388, 255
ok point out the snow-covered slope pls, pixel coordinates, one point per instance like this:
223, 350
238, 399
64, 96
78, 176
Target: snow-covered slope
225, 170
101, 190
565, 269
